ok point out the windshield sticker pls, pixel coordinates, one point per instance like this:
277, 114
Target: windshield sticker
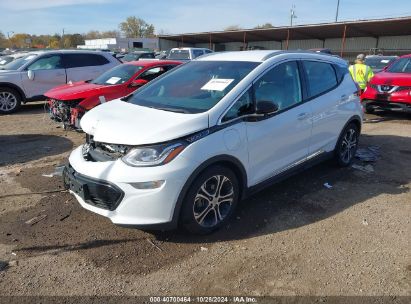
216, 84
3, 61
385, 61
113, 80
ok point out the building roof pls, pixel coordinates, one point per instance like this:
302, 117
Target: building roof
369, 28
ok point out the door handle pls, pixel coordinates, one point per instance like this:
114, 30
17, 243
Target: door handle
302, 116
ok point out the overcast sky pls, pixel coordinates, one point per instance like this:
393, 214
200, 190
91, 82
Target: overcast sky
183, 16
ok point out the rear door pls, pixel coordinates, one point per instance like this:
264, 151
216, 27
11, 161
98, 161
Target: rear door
84, 66
48, 71
280, 141
326, 97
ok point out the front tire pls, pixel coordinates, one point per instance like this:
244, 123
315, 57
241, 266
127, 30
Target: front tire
210, 201
347, 145
10, 100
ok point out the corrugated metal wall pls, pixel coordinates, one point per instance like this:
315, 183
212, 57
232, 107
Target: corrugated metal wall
267, 45
303, 44
395, 42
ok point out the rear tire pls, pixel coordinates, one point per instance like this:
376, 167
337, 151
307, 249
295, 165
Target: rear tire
211, 200
10, 100
347, 145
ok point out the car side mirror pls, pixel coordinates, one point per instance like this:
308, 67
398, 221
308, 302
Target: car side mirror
30, 74
266, 107
138, 83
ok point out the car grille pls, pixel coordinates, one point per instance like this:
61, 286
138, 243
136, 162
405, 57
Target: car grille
101, 152
98, 193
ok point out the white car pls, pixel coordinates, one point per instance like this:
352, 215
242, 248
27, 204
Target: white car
187, 53
188, 146
28, 78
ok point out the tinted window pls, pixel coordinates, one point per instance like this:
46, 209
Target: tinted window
281, 85
378, 63
197, 53
147, 55
83, 60
47, 63
320, 77
193, 87
243, 106
152, 73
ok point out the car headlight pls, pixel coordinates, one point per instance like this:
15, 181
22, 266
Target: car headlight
153, 155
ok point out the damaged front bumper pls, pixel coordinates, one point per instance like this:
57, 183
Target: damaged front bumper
68, 113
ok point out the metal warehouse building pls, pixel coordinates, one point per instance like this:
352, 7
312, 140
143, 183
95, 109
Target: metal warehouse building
347, 39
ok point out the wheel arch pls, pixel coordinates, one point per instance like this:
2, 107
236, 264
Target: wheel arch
14, 87
354, 119
228, 161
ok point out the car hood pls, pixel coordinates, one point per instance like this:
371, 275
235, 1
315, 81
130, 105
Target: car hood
7, 73
72, 91
394, 79
119, 122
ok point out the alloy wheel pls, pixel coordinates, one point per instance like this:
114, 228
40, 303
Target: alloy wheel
213, 201
348, 145
7, 101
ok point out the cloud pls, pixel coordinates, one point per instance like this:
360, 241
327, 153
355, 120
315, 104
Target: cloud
24, 5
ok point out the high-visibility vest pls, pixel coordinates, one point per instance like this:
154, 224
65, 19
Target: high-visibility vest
361, 74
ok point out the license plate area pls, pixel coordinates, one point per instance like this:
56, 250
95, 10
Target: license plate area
76, 185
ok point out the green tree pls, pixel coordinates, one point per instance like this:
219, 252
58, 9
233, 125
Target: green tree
135, 27
110, 34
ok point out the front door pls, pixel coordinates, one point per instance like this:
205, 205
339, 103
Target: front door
47, 71
282, 140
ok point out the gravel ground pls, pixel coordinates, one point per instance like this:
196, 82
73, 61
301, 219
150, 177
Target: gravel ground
295, 238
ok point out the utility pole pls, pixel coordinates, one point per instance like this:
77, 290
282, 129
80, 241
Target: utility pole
292, 15
338, 8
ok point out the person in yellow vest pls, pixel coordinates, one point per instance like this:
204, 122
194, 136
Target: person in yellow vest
360, 72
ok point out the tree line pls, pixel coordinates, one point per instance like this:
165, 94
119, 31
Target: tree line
132, 27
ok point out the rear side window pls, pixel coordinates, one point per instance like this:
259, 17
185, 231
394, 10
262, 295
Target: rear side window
320, 76
84, 60
197, 53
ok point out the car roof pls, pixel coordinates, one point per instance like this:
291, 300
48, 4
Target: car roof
405, 56
253, 56
152, 62
66, 52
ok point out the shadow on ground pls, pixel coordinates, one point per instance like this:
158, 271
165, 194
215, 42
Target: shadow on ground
27, 147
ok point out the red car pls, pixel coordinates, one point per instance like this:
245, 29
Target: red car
69, 102
390, 89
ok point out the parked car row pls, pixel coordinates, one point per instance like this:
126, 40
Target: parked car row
68, 103
28, 78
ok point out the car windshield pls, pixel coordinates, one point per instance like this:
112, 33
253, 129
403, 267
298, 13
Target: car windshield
16, 64
402, 65
179, 55
194, 87
118, 75
378, 62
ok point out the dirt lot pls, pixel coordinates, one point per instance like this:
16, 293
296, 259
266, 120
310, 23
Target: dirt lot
295, 238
